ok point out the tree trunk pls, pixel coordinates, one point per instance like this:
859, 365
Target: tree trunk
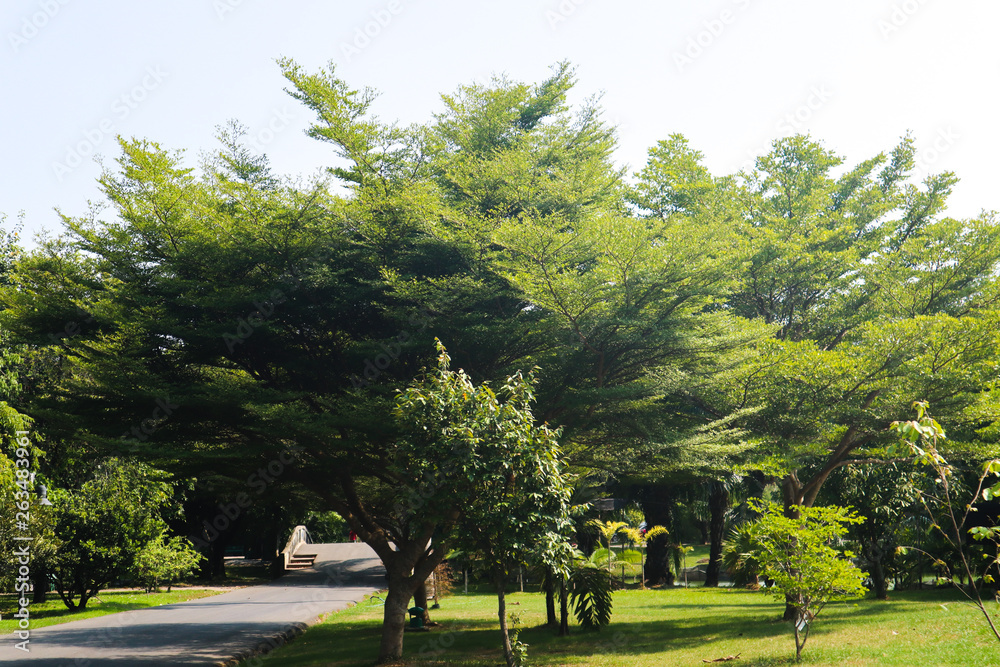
658, 510
217, 561
791, 495
877, 574
549, 585
407, 562
790, 611
508, 652
798, 644
718, 504
420, 600
394, 618
40, 584
563, 607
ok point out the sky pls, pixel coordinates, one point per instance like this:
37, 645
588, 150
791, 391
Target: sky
730, 75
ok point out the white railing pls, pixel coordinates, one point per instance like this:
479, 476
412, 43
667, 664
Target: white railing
300, 535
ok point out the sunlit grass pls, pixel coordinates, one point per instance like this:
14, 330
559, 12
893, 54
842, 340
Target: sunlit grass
669, 627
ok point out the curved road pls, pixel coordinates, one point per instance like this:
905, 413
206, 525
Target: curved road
211, 631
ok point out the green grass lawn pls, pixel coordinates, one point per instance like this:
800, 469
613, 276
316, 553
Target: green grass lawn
669, 627
53, 611
699, 551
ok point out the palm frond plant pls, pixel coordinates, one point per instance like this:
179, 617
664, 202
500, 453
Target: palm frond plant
608, 530
738, 557
641, 539
591, 595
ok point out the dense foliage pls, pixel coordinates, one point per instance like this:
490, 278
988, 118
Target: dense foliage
697, 338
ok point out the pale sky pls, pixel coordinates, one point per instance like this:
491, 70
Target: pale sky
731, 75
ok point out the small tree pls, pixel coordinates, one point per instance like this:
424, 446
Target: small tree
948, 514
592, 597
797, 554
164, 561
608, 530
641, 538
501, 471
103, 526
739, 557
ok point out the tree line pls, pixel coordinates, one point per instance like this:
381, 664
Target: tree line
681, 325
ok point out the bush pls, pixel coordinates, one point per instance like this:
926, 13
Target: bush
325, 527
103, 526
591, 595
738, 557
164, 561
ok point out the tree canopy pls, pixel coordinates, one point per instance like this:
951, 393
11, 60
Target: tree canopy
251, 332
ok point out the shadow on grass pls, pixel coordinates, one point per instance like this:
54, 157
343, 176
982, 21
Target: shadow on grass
697, 624
476, 642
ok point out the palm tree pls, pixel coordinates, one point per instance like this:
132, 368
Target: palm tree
637, 537
608, 530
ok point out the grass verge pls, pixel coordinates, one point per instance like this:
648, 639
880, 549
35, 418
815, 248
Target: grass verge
53, 611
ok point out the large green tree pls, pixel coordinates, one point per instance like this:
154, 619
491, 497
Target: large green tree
230, 324
872, 296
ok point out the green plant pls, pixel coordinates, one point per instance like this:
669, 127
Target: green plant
105, 525
797, 554
518, 649
325, 527
591, 595
641, 539
948, 514
675, 554
738, 557
501, 472
164, 561
608, 530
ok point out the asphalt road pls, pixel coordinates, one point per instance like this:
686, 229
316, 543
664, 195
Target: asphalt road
209, 631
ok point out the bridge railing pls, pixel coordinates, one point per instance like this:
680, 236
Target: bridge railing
300, 535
